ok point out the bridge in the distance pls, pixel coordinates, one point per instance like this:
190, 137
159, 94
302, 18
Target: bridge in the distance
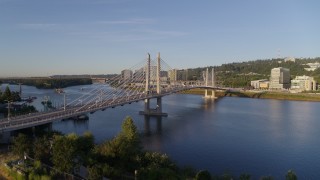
151, 79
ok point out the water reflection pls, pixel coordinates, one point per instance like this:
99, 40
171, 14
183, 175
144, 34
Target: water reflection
147, 126
81, 123
209, 103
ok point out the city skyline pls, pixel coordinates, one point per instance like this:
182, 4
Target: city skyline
43, 38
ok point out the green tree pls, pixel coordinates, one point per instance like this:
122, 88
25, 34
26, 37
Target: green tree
21, 145
41, 149
95, 172
124, 148
203, 175
291, 175
245, 176
157, 160
266, 178
64, 153
6, 95
85, 145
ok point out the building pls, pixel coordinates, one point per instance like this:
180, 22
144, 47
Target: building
303, 83
312, 66
260, 84
280, 78
172, 74
264, 85
126, 74
290, 59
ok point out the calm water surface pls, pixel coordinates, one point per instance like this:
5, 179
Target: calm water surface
236, 135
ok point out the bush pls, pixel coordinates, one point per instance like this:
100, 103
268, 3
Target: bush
203, 175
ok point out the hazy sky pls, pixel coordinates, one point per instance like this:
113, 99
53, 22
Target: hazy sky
46, 37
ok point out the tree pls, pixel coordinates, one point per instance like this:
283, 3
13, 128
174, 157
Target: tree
266, 178
21, 145
41, 149
7, 94
203, 175
95, 172
291, 175
85, 145
123, 151
245, 177
64, 153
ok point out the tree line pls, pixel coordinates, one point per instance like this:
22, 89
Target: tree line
49, 83
57, 156
241, 73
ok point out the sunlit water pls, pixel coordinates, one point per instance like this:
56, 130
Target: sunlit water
235, 135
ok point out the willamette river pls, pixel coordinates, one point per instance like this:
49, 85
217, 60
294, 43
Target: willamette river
235, 135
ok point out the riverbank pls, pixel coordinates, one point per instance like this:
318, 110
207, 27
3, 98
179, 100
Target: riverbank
262, 95
5, 156
49, 83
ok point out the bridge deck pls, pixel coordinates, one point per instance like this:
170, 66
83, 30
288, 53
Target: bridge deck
35, 119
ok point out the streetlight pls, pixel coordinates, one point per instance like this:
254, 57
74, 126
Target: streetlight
8, 108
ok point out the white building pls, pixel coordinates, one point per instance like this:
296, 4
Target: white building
256, 84
312, 66
280, 78
290, 59
303, 83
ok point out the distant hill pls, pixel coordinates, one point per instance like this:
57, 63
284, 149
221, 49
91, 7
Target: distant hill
241, 73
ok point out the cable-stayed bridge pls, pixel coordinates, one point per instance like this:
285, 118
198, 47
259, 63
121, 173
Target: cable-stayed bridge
147, 80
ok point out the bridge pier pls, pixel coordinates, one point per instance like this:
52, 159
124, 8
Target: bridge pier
212, 96
153, 112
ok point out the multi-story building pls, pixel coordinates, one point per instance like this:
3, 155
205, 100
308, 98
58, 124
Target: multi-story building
126, 74
260, 84
172, 75
304, 83
280, 78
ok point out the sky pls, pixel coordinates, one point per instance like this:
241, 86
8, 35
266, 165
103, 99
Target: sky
49, 37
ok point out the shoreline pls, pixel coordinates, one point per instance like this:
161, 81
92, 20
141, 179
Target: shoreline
261, 95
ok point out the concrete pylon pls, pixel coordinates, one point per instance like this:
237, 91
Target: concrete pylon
158, 110
158, 73
147, 101
213, 92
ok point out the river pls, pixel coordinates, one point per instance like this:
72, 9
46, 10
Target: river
235, 135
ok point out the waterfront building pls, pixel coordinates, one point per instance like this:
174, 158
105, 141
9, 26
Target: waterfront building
280, 78
304, 83
264, 85
260, 84
172, 75
126, 74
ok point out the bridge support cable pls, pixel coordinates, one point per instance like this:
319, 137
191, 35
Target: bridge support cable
141, 82
117, 87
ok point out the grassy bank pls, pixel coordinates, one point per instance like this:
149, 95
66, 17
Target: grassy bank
4, 171
262, 95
